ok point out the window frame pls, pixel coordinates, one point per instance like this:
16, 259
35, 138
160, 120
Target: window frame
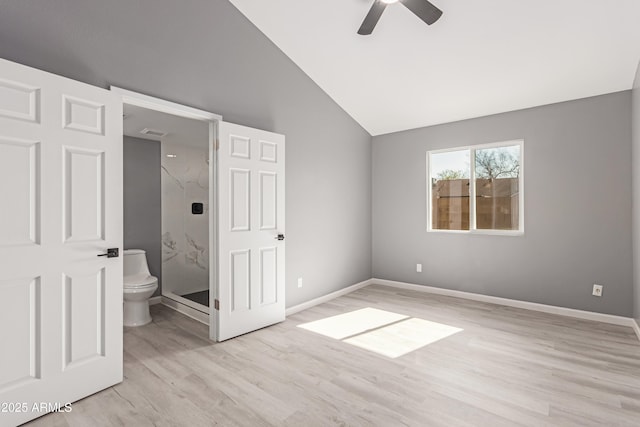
472, 189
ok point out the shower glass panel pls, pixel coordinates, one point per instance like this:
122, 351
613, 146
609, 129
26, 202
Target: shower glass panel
185, 222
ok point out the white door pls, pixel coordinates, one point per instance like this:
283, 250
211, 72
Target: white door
251, 279
60, 207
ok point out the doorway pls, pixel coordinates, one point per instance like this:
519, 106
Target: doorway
169, 193
246, 223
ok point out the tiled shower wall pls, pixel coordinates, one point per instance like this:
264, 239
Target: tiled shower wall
185, 236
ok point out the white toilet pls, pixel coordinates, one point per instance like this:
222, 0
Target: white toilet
139, 285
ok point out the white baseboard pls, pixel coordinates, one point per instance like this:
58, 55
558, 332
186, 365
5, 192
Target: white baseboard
544, 308
562, 311
636, 327
320, 300
186, 310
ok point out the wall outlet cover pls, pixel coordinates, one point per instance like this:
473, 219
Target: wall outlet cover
597, 290
418, 268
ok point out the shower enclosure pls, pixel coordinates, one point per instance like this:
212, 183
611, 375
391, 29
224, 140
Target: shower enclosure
185, 222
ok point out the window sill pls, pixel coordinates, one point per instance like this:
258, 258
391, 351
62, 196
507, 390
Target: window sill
512, 233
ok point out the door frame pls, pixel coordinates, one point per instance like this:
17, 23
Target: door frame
149, 102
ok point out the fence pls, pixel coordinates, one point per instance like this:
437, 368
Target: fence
497, 205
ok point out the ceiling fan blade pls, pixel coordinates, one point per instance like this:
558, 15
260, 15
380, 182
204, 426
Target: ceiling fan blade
372, 18
423, 9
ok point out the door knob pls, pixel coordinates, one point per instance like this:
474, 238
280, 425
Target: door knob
112, 253
280, 237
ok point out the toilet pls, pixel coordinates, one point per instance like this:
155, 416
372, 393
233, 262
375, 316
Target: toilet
139, 285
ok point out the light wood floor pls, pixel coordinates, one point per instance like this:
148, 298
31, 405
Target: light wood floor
508, 367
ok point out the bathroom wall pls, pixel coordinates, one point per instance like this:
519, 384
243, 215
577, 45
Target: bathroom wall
142, 218
185, 236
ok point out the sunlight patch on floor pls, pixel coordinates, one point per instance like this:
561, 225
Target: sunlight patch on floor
383, 332
403, 337
352, 323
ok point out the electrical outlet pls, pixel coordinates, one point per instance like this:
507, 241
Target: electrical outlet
299, 282
597, 290
418, 268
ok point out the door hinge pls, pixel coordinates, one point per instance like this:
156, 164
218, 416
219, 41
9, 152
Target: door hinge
217, 144
216, 304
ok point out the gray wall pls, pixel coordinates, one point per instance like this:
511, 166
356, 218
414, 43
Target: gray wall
577, 208
206, 54
635, 111
142, 197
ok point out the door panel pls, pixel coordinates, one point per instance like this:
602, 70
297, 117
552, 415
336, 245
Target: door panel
268, 201
22, 314
240, 280
61, 169
80, 114
240, 203
83, 310
83, 189
19, 159
19, 101
268, 275
251, 213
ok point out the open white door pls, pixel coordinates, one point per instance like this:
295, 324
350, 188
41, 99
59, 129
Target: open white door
251, 275
60, 207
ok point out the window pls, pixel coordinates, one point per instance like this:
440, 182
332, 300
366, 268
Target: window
476, 189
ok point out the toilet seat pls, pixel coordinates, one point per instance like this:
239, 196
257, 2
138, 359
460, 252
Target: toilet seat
137, 282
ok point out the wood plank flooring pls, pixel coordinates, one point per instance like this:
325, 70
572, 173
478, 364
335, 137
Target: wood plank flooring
507, 367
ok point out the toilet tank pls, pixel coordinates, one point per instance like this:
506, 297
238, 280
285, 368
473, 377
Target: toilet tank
135, 263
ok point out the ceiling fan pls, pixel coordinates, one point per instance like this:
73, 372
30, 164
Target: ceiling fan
423, 9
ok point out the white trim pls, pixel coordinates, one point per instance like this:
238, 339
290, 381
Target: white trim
481, 146
320, 300
155, 300
186, 310
184, 301
636, 327
485, 231
551, 309
521, 177
157, 104
473, 215
525, 305
213, 229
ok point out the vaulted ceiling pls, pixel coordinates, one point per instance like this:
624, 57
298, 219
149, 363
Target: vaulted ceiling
481, 58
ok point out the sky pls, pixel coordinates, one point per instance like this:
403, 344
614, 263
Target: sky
451, 160
460, 159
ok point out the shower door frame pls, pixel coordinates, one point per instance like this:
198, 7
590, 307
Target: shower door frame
168, 107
